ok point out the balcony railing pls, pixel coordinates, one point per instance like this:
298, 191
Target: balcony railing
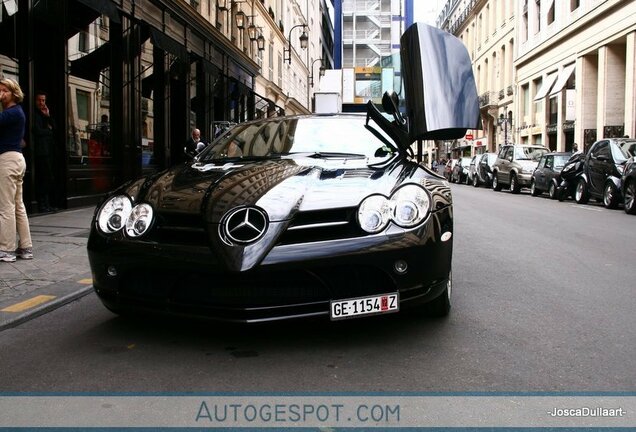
488, 98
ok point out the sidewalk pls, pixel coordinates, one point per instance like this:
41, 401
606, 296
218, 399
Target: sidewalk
58, 274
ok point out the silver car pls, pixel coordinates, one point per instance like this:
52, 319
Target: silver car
515, 165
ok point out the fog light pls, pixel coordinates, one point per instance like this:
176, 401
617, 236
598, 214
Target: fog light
400, 266
111, 271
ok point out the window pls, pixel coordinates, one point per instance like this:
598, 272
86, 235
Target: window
554, 109
271, 61
574, 4
538, 16
83, 105
551, 14
525, 90
83, 43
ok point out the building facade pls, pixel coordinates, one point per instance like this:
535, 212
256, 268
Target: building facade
548, 72
128, 80
487, 29
367, 46
575, 72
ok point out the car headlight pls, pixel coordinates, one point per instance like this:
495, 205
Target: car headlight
114, 213
139, 220
410, 205
374, 213
407, 207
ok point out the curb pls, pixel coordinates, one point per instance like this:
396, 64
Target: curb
13, 321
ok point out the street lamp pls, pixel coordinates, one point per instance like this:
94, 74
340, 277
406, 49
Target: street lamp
505, 121
303, 42
321, 71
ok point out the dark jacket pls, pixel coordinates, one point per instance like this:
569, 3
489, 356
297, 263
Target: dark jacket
43, 134
12, 124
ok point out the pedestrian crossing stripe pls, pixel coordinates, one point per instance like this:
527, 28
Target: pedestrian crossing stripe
28, 304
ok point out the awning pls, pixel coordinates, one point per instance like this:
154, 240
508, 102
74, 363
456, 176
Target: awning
105, 7
90, 66
166, 43
564, 76
545, 88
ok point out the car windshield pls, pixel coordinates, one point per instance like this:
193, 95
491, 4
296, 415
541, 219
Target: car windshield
627, 150
314, 136
529, 153
560, 160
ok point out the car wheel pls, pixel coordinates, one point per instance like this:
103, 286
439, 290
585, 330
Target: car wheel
630, 197
495, 182
440, 306
552, 191
533, 189
610, 196
580, 195
514, 185
475, 181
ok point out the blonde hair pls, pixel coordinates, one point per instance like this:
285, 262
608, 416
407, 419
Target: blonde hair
14, 88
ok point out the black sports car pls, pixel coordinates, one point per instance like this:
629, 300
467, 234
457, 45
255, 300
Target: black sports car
320, 215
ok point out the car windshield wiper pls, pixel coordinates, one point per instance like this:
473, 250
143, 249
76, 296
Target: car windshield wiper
320, 155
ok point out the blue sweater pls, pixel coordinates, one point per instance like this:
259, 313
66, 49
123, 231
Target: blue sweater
12, 128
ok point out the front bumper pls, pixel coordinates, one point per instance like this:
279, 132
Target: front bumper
524, 179
293, 280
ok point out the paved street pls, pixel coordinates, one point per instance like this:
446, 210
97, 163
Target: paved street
58, 273
543, 301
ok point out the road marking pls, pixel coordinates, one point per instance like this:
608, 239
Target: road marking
88, 281
28, 304
584, 207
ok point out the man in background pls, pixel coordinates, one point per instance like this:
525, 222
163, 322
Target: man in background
44, 152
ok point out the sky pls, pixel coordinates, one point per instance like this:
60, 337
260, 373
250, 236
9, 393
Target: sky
427, 11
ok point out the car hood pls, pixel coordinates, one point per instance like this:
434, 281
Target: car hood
281, 187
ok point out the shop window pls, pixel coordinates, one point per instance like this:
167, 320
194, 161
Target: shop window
554, 107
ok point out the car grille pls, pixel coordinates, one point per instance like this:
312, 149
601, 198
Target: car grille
253, 289
322, 225
306, 227
182, 229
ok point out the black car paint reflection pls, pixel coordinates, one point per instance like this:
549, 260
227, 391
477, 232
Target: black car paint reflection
311, 200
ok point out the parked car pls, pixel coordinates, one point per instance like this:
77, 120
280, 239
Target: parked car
448, 169
460, 170
629, 186
602, 171
546, 177
472, 168
484, 170
515, 165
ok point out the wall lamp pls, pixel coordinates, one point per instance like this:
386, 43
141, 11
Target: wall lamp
321, 71
303, 42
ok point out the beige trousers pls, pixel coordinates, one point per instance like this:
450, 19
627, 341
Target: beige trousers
13, 216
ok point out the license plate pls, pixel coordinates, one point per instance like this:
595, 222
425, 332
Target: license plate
355, 307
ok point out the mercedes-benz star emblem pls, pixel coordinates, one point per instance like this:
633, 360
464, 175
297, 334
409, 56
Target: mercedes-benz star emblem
244, 225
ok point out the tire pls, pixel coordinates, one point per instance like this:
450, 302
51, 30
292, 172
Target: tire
475, 181
610, 196
514, 184
630, 197
552, 191
533, 189
581, 195
441, 305
496, 186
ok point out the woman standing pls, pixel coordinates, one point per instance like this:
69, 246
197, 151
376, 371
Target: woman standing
12, 168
